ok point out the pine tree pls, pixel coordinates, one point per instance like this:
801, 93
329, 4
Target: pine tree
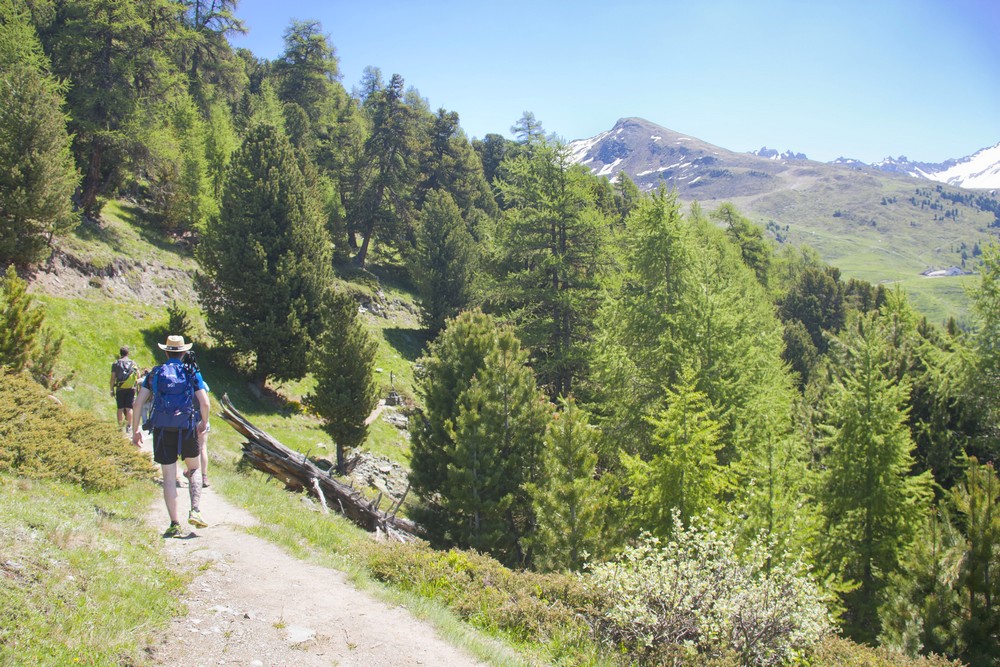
871, 503
478, 438
443, 262
25, 342
346, 391
448, 163
37, 176
977, 500
495, 454
568, 500
749, 238
922, 608
817, 300
267, 260
444, 374
380, 205
21, 321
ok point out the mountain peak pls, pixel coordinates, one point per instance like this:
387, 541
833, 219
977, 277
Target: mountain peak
773, 154
652, 154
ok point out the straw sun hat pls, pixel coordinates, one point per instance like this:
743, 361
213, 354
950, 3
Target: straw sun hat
175, 344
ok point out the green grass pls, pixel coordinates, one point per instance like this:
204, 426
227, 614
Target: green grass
836, 216
65, 601
92, 333
124, 234
92, 547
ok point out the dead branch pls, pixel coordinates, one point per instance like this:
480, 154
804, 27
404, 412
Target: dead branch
297, 472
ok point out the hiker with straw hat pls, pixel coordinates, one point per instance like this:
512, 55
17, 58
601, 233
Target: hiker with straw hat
178, 418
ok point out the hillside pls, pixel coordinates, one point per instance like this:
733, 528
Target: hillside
886, 228
101, 294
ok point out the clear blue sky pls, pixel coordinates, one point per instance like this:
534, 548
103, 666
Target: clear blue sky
864, 79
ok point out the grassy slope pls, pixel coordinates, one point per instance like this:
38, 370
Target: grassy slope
889, 243
106, 315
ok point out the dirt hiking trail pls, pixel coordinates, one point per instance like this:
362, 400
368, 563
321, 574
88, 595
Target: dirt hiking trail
250, 603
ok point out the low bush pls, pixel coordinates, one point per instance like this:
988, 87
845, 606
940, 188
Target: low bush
42, 439
696, 599
838, 652
525, 606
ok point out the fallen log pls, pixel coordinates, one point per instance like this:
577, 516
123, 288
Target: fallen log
297, 472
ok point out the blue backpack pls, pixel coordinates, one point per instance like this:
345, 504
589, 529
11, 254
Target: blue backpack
174, 405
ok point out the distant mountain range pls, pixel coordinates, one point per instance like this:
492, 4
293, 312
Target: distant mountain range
663, 159
887, 222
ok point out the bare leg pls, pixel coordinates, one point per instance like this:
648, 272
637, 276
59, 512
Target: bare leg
170, 490
203, 447
193, 473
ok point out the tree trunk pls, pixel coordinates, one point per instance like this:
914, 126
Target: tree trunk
92, 181
298, 473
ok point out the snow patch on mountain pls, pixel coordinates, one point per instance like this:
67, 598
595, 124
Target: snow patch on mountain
980, 170
578, 149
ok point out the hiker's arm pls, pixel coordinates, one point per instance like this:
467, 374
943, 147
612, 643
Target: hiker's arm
112, 383
140, 400
205, 407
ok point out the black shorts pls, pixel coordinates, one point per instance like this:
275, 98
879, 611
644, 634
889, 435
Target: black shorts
165, 446
124, 398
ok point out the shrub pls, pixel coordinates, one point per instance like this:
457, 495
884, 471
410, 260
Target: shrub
696, 598
42, 439
523, 605
837, 652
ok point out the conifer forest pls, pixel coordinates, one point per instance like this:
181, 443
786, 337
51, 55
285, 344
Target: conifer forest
614, 382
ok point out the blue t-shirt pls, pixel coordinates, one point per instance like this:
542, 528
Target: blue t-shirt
199, 382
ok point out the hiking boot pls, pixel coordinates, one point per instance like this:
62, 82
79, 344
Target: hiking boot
194, 518
174, 530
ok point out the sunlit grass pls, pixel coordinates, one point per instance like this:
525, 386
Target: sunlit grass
65, 600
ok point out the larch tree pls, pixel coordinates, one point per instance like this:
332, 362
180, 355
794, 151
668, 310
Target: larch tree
205, 54
985, 385
872, 504
686, 297
683, 475
267, 259
549, 252
121, 49
568, 499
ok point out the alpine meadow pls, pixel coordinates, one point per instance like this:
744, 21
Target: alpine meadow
627, 429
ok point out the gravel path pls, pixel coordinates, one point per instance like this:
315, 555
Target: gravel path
253, 604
